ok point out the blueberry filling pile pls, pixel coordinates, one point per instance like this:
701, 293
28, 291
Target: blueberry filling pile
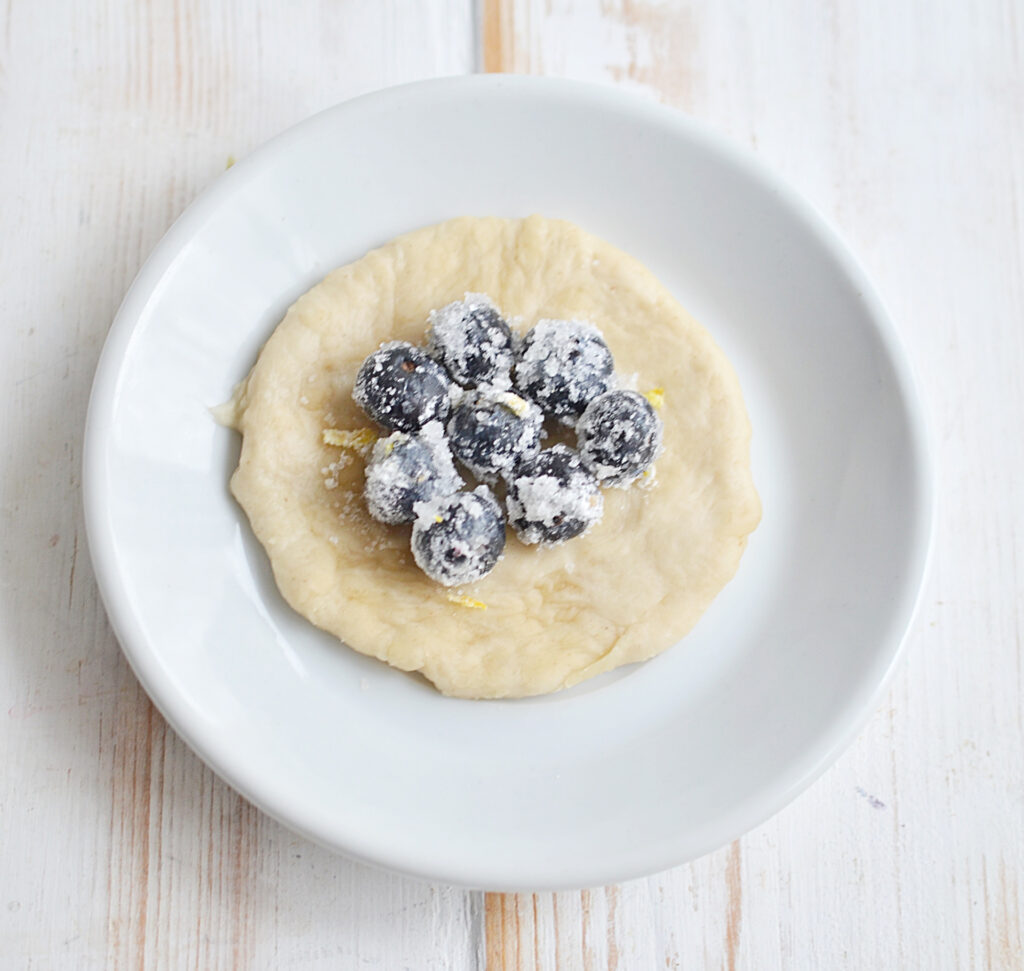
478, 396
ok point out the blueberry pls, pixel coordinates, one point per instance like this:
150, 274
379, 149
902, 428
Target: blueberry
406, 469
492, 431
458, 539
619, 437
553, 498
563, 365
472, 340
400, 387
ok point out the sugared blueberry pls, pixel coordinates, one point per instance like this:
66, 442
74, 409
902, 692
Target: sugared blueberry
552, 498
619, 437
472, 340
563, 365
492, 431
402, 388
405, 469
458, 539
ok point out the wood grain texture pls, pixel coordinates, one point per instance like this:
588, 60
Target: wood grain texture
904, 124
902, 121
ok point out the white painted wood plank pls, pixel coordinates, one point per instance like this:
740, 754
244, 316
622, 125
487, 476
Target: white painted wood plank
117, 847
904, 123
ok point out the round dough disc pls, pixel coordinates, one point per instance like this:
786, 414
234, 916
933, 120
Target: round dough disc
628, 589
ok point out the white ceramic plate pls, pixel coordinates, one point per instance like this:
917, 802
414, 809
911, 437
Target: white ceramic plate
626, 774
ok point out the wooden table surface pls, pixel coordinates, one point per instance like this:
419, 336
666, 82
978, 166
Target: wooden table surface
902, 120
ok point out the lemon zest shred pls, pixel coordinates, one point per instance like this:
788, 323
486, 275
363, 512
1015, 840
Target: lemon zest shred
463, 601
359, 439
656, 396
518, 406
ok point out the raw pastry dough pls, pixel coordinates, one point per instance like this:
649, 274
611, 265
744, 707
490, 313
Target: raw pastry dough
628, 589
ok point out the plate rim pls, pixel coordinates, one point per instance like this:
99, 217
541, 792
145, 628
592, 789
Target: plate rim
752, 812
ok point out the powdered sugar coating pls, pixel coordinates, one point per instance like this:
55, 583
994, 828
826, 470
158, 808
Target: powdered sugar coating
492, 430
405, 469
563, 365
553, 498
619, 437
401, 388
458, 539
473, 342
